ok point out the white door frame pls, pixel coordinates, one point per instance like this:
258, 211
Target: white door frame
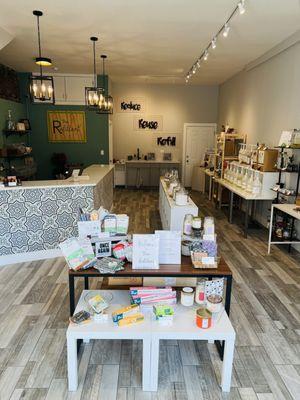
185, 126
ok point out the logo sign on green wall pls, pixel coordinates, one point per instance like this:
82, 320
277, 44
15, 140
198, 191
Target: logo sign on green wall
66, 126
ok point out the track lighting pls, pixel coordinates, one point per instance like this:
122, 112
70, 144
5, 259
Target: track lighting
241, 7
214, 43
226, 30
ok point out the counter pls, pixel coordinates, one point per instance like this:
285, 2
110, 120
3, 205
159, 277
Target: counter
38, 215
142, 173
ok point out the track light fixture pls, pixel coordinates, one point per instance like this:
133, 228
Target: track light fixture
241, 7
224, 30
214, 43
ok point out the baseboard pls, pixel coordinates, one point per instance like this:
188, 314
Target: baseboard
30, 256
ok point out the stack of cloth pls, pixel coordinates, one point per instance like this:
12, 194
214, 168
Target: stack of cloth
149, 295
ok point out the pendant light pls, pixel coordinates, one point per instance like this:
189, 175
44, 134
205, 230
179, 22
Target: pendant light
93, 94
41, 86
105, 101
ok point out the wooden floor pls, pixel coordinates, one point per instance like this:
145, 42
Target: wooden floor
265, 313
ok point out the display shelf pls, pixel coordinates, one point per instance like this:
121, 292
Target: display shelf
15, 132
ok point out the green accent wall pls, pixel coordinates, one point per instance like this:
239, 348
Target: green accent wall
87, 153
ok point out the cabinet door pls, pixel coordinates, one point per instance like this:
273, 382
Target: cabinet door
131, 176
59, 89
75, 88
154, 174
144, 175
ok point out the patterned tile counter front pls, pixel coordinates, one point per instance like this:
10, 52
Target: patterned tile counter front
35, 219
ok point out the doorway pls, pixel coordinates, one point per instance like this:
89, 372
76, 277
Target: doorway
197, 138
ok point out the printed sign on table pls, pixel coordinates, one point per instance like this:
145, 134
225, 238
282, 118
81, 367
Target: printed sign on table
66, 126
145, 252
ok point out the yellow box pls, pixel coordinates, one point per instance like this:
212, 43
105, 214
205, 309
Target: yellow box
131, 319
125, 311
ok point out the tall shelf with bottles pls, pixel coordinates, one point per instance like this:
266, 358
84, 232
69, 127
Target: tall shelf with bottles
287, 189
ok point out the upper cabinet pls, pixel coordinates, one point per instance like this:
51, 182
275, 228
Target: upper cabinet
70, 89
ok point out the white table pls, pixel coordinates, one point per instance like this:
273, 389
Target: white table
248, 197
151, 332
107, 330
287, 209
172, 215
184, 328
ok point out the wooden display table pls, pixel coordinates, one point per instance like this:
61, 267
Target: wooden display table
183, 270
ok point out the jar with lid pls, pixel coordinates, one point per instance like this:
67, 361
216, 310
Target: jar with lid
257, 185
200, 297
196, 225
187, 224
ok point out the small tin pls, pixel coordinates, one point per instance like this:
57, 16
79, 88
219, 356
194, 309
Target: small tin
203, 318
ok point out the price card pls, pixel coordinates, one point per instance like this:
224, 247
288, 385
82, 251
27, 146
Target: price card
145, 252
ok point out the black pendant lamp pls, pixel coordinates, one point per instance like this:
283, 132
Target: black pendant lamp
95, 93
41, 86
106, 101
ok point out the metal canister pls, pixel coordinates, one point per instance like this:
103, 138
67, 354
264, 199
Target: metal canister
203, 318
214, 303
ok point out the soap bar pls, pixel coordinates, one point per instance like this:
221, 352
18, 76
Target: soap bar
161, 310
131, 319
125, 311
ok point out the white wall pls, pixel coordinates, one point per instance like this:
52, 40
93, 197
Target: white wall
176, 104
264, 101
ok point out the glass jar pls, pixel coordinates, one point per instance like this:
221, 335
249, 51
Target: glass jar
200, 297
257, 186
187, 224
249, 181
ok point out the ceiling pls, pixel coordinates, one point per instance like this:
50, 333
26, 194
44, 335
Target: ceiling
145, 40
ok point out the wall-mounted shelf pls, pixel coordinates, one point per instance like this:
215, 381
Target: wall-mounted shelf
15, 132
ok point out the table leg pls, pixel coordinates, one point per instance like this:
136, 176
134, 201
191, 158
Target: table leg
228, 294
154, 363
86, 283
248, 202
147, 364
270, 230
71, 294
210, 188
227, 365
230, 207
72, 363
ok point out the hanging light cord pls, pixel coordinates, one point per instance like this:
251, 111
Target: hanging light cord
39, 43
103, 74
94, 52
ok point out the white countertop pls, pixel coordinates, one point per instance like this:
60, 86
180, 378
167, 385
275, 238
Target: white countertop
172, 203
95, 173
288, 209
243, 193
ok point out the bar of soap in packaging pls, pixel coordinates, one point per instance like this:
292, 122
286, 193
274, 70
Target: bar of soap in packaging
122, 224
125, 312
131, 319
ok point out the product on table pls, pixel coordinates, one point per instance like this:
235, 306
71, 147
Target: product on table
97, 303
108, 265
151, 295
203, 318
125, 312
80, 317
163, 310
214, 303
110, 224
131, 319
187, 296
187, 224
122, 224
200, 292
